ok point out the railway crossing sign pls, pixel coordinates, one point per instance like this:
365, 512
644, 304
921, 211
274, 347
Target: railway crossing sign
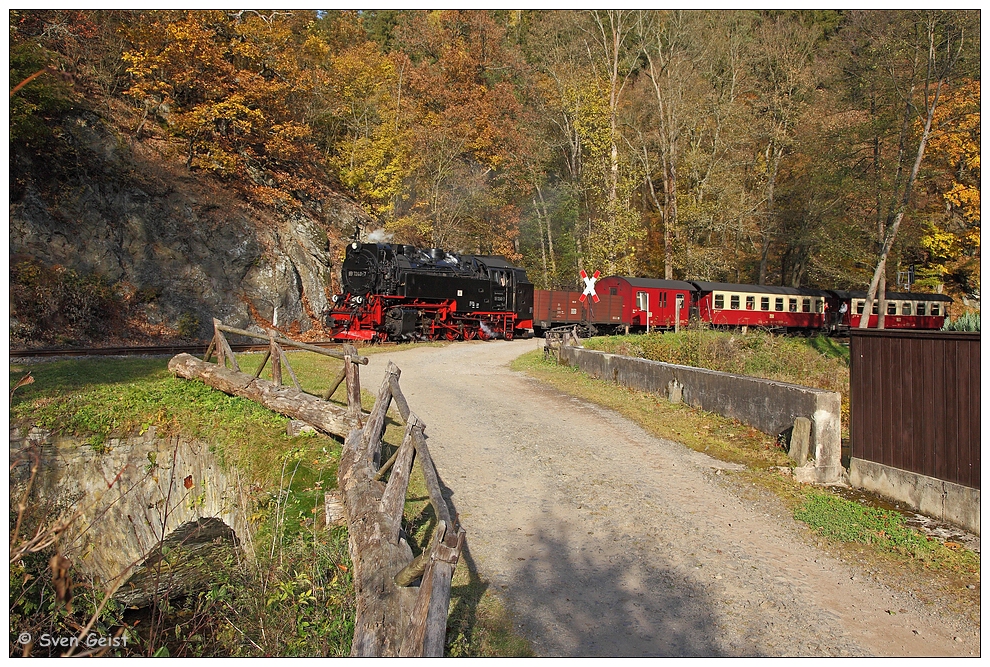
589, 286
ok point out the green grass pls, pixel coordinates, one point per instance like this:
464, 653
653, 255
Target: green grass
843, 520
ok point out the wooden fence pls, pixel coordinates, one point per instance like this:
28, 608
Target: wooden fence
915, 402
558, 337
401, 601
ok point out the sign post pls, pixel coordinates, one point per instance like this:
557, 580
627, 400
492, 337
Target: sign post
589, 290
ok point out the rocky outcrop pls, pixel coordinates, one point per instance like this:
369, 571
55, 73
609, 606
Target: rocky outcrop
106, 205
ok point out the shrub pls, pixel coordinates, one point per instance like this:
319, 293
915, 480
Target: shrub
58, 305
969, 321
187, 326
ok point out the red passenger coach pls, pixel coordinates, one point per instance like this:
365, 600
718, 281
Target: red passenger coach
729, 304
660, 301
905, 310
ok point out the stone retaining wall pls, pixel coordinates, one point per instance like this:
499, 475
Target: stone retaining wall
132, 495
770, 406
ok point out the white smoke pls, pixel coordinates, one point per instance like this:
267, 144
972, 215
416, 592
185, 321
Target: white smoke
380, 236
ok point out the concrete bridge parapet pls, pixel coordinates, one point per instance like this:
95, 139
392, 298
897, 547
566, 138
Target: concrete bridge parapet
768, 405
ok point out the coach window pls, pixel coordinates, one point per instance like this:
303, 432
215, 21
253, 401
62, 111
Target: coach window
764, 303
860, 305
934, 310
719, 301
876, 307
734, 302
806, 305
792, 305
919, 308
891, 307
778, 304
750, 303
613, 291
642, 300
819, 305
906, 308
663, 299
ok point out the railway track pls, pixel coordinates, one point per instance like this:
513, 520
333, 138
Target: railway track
141, 350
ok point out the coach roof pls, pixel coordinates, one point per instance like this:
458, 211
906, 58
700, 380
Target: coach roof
895, 296
655, 283
758, 289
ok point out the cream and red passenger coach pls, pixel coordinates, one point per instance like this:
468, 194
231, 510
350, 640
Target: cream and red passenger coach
904, 310
734, 305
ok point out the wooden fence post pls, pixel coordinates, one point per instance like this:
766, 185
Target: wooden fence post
353, 380
393, 617
276, 354
223, 347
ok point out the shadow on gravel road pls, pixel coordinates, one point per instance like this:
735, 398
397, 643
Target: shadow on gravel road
586, 602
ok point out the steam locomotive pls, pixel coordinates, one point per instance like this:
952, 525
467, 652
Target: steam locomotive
400, 292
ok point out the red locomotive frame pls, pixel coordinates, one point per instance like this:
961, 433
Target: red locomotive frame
440, 319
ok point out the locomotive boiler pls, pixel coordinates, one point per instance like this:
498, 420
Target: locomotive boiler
401, 292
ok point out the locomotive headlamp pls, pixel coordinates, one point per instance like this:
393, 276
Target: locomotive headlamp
358, 300
335, 298
354, 246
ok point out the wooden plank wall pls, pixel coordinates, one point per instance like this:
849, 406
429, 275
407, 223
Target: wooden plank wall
915, 402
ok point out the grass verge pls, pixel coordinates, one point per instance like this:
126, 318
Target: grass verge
818, 362
722, 438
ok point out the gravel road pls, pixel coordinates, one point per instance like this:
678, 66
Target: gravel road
603, 540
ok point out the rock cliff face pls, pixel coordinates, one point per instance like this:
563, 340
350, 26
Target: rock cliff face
97, 203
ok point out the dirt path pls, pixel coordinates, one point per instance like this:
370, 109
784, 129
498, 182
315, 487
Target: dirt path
606, 541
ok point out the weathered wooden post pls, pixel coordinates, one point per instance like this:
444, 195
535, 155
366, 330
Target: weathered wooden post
276, 354
353, 380
393, 617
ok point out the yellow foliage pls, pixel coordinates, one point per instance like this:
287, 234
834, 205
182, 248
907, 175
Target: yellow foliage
954, 145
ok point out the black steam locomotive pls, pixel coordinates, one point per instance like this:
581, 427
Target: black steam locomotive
400, 292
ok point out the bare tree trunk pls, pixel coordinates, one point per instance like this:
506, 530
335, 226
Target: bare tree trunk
543, 243
901, 209
546, 215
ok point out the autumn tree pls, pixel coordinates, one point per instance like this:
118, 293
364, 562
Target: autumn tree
233, 86
950, 240
917, 53
465, 118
